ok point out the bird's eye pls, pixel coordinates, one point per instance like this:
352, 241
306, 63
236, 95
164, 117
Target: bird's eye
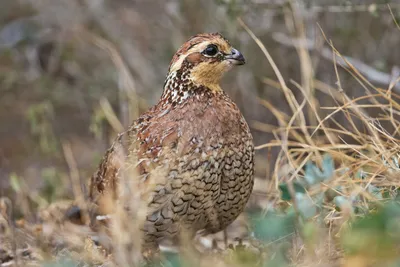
211, 50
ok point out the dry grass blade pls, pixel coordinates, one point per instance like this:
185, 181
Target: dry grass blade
307, 70
126, 81
298, 115
77, 185
289, 95
111, 116
394, 18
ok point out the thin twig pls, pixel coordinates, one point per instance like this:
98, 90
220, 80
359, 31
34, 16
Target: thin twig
369, 72
75, 181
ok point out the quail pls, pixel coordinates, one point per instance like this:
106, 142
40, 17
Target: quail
192, 152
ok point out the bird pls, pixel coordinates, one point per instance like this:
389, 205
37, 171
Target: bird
192, 152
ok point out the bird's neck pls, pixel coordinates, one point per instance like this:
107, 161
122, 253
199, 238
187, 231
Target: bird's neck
179, 86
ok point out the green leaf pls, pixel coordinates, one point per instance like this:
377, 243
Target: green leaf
298, 188
319, 199
273, 226
172, 260
343, 203
168, 259
314, 175
306, 206
386, 194
375, 191
240, 255
360, 174
376, 234
309, 231
279, 258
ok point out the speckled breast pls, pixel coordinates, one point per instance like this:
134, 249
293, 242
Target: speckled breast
210, 173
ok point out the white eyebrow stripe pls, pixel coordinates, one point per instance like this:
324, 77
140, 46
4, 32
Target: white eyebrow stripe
198, 47
193, 45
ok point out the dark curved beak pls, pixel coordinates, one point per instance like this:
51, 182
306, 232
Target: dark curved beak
235, 57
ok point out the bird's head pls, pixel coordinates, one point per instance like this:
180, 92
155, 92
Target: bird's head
204, 59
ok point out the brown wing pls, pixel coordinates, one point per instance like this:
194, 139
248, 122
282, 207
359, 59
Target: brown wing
135, 152
103, 184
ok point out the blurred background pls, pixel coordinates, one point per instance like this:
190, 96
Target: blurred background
75, 72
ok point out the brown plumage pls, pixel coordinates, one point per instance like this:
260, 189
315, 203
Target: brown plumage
193, 151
